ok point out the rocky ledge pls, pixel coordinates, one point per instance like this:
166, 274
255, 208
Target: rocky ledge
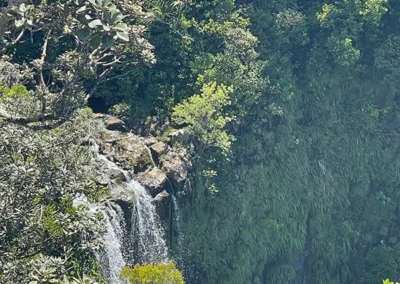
156, 165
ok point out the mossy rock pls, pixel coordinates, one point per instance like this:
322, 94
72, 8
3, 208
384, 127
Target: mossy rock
132, 155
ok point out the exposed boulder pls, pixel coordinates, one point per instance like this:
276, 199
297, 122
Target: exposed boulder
114, 123
162, 197
153, 163
150, 140
120, 195
98, 115
153, 180
103, 180
126, 201
176, 165
116, 175
157, 150
106, 175
107, 148
180, 136
131, 154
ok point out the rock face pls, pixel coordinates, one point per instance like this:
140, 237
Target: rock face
110, 176
113, 123
159, 167
128, 152
163, 203
158, 150
180, 136
176, 165
162, 169
161, 197
150, 140
107, 175
124, 199
153, 180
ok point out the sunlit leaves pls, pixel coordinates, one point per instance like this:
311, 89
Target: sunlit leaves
343, 50
104, 20
42, 235
205, 117
162, 273
373, 10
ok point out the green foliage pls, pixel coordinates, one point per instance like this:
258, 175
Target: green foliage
310, 118
17, 91
343, 51
387, 58
120, 110
43, 236
387, 281
373, 10
379, 264
313, 167
72, 46
205, 44
205, 117
162, 273
102, 30
17, 100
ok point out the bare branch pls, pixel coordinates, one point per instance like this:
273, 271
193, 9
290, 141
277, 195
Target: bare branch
42, 60
109, 63
15, 41
24, 120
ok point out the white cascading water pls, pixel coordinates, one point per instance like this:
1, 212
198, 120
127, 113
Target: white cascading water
113, 259
112, 256
177, 220
146, 229
152, 247
176, 208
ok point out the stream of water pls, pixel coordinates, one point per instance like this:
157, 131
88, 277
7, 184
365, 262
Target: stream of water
144, 241
113, 259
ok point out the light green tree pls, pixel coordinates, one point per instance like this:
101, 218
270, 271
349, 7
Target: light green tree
205, 118
162, 273
387, 281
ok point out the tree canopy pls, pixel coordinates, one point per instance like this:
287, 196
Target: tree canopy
292, 111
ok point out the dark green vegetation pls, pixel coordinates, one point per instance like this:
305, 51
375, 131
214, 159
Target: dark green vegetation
296, 159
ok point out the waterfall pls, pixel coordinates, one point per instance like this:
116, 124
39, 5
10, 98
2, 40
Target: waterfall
113, 259
176, 209
138, 238
152, 247
177, 218
112, 256
179, 234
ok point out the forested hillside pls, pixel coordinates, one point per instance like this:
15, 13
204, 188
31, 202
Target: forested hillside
283, 115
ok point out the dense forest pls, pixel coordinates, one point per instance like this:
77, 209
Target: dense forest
288, 117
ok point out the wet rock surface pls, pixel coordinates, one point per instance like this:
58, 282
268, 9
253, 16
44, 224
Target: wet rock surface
162, 197
176, 164
160, 168
127, 151
154, 181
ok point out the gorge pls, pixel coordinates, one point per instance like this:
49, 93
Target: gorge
199, 142
135, 232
